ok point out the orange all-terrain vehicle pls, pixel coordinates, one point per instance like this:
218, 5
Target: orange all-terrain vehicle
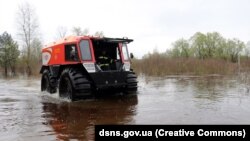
80, 66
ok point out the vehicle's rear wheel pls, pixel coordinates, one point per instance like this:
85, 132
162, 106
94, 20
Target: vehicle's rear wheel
48, 82
73, 84
131, 86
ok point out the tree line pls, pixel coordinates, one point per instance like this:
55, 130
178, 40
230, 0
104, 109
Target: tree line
209, 45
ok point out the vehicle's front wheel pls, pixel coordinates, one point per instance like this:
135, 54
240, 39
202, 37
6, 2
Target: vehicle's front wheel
65, 86
131, 86
74, 84
48, 83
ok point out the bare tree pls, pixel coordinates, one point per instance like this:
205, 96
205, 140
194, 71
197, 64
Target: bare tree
79, 32
36, 55
61, 32
27, 27
99, 33
85, 31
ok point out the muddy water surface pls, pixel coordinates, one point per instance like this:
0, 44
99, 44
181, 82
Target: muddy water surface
28, 114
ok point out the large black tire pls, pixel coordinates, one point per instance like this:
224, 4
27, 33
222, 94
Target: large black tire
48, 82
74, 84
131, 84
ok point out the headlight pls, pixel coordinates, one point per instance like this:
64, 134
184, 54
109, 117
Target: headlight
90, 67
126, 66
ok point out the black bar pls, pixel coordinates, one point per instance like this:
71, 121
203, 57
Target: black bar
114, 40
172, 132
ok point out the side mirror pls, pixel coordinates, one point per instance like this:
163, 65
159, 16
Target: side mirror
131, 55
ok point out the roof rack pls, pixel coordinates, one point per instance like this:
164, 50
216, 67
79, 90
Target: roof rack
114, 40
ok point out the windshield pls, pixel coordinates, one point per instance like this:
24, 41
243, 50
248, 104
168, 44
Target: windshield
85, 50
125, 51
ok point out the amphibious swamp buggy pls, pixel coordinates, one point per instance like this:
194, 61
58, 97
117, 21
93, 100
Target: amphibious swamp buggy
73, 66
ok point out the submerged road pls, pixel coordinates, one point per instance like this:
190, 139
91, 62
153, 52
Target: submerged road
28, 114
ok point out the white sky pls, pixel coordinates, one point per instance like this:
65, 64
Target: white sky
151, 23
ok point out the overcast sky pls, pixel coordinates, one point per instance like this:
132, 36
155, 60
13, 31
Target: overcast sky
151, 23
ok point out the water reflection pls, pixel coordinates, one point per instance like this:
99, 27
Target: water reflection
76, 120
209, 88
193, 100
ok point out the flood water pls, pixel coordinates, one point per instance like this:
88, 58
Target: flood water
28, 114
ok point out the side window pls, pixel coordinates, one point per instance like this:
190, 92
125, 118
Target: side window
125, 52
71, 53
85, 50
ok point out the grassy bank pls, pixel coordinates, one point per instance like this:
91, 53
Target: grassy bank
157, 65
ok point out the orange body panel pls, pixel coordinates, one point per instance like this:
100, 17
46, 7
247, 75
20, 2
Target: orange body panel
54, 53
